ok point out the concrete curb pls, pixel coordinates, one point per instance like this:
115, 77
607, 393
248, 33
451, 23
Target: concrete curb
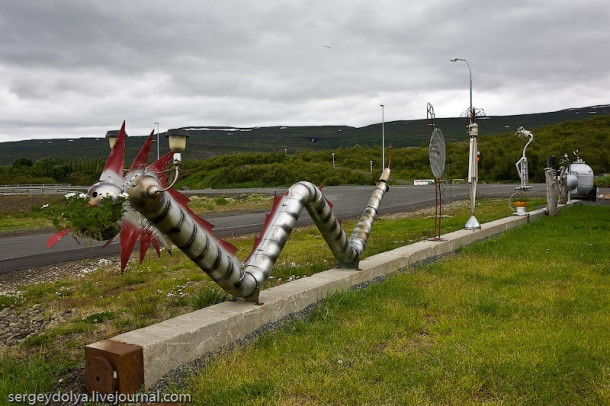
171, 343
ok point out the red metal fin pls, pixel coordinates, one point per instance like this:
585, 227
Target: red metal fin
129, 236
142, 158
145, 240
230, 248
268, 217
276, 201
116, 159
182, 200
155, 244
54, 239
160, 165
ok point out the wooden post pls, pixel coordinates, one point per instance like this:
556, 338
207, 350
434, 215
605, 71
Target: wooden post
563, 190
551, 201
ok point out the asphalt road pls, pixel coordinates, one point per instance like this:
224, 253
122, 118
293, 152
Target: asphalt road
30, 251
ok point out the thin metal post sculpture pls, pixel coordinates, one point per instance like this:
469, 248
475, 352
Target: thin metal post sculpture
521, 164
473, 174
437, 155
155, 212
522, 169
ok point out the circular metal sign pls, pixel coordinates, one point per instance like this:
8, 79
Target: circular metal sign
437, 153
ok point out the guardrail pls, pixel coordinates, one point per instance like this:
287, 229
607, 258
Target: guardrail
40, 189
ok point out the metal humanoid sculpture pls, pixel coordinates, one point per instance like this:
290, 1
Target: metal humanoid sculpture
521, 164
522, 169
155, 212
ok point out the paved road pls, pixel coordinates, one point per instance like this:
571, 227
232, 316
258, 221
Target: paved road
349, 201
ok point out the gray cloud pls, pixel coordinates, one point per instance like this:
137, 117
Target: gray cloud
72, 69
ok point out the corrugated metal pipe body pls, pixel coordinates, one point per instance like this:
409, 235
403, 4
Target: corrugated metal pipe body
165, 213
246, 280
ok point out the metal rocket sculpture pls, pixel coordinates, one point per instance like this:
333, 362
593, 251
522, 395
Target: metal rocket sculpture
155, 213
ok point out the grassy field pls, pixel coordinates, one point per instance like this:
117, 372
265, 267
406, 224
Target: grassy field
519, 319
434, 335
102, 303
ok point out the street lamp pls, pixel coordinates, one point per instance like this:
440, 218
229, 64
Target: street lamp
111, 136
157, 140
470, 112
177, 143
473, 167
333, 160
382, 137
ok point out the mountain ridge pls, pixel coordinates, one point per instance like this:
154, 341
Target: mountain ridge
208, 141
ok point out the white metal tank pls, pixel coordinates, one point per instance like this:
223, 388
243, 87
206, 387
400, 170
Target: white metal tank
584, 174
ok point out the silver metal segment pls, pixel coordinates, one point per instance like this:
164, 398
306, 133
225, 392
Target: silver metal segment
201, 247
521, 164
246, 280
361, 233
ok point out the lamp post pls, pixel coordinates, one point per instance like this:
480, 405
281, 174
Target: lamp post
157, 140
473, 167
177, 143
470, 112
382, 136
333, 160
111, 136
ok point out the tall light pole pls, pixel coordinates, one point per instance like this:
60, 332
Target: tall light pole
157, 140
470, 112
382, 137
473, 165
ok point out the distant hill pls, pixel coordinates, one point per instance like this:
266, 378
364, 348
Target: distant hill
205, 142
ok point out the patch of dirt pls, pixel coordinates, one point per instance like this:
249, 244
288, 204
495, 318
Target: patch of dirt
18, 323
11, 204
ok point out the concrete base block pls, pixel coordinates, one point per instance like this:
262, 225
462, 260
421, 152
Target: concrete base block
180, 340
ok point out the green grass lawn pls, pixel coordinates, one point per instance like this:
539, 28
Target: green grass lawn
523, 318
436, 330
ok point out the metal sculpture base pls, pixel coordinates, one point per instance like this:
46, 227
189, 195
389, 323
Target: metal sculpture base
521, 211
438, 212
472, 224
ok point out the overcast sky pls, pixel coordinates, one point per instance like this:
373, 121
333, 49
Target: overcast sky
76, 68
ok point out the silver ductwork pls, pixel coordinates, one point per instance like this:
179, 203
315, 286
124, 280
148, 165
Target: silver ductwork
245, 280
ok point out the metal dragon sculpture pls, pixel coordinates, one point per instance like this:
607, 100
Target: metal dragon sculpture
155, 213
